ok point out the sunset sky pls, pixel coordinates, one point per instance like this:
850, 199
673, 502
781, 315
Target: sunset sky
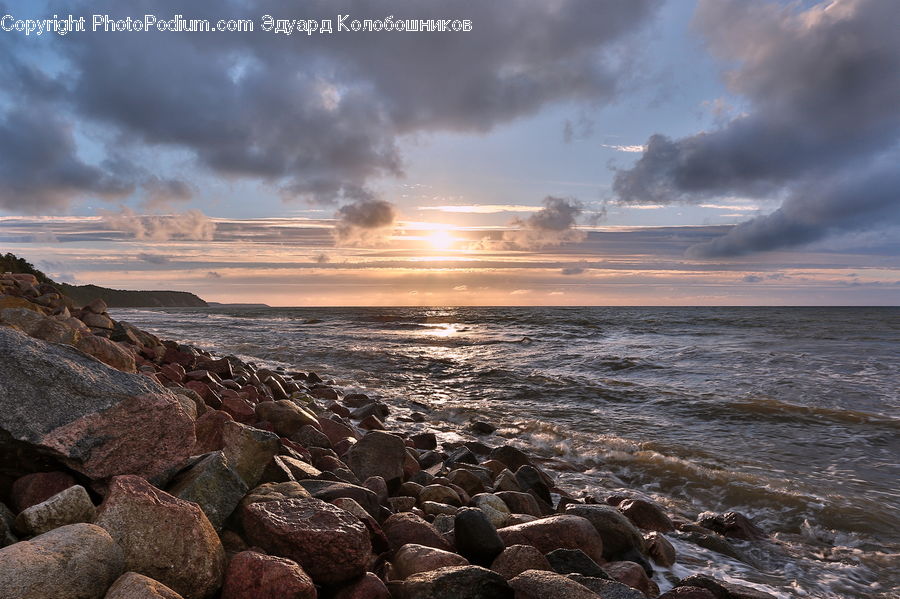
563, 152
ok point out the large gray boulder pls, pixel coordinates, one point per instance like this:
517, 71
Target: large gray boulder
58, 404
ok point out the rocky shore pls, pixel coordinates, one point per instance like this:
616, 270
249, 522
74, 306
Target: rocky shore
134, 467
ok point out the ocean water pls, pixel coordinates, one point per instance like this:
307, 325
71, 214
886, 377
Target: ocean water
788, 415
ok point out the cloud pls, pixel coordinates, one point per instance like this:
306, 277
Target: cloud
550, 226
752, 279
630, 149
154, 258
322, 258
162, 192
822, 86
365, 222
317, 118
41, 169
461, 288
192, 224
573, 270
213, 275
483, 208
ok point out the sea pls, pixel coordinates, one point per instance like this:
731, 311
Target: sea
790, 416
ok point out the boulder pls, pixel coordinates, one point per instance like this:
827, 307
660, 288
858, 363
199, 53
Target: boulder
455, 582
659, 549
132, 585
646, 515
575, 561
540, 584
439, 494
520, 503
35, 488
493, 507
248, 450
619, 535
209, 430
608, 589
413, 559
56, 403
722, 590
165, 538
7, 518
286, 417
687, 593
107, 351
212, 484
70, 506
327, 490
253, 575
475, 537
330, 544
378, 454
556, 532
78, 561
731, 524
633, 575
515, 559
510, 456
407, 527
275, 492
367, 587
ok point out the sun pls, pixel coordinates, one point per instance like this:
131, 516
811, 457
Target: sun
440, 239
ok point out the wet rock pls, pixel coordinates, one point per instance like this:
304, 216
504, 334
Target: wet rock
506, 482
253, 575
468, 481
476, 538
646, 515
530, 480
660, 549
456, 582
132, 585
424, 441
687, 593
97, 420
107, 351
493, 507
722, 590
35, 488
330, 544
716, 543
378, 454
515, 559
367, 587
406, 527
556, 532
286, 417
510, 456
482, 428
633, 575
212, 484
575, 561
411, 559
157, 530
607, 589
70, 506
78, 561
371, 423
539, 584
618, 533
731, 524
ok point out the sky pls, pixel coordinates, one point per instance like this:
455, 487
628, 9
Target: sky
561, 152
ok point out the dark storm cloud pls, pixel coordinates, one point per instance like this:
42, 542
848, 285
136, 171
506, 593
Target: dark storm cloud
365, 222
552, 225
318, 116
823, 88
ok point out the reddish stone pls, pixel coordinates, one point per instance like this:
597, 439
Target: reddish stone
163, 537
633, 575
371, 423
253, 575
340, 410
132, 585
556, 532
367, 587
210, 397
36, 488
174, 372
335, 431
208, 429
238, 406
646, 515
252, 394
179, 357
406, 527
329, 543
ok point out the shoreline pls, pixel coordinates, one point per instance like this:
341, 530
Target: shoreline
289, 453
